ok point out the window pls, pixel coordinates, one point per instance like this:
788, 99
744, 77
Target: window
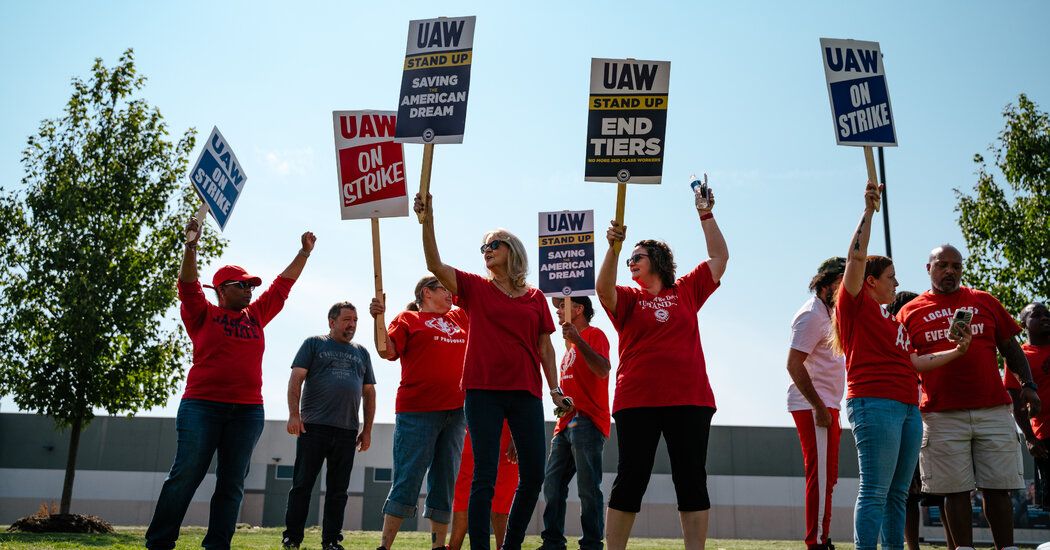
284, 472
382, 475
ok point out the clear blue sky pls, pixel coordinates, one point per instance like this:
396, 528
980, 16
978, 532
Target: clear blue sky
748, 105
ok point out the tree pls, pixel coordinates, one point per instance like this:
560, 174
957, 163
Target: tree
1008, 230
91, 245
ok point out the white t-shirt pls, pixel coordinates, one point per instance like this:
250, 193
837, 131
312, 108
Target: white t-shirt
809, 332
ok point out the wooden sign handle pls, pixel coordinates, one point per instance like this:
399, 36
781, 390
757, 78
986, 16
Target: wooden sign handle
621, 203
377, 266
424, 179
566, 306
199, 216
869, 161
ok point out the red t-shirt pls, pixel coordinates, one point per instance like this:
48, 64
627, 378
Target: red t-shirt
503, 342
431, 347
971, 381
1039, 361
661, 360
228, 345
878, 354
589, 392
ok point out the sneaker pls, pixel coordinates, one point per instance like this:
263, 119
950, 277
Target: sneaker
331, 546
287, 544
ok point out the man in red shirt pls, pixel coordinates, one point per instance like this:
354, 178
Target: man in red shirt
1035, 318
970, 440
580, 434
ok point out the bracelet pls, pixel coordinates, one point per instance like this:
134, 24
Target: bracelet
191, 246
706, 216
557, 391
304, 253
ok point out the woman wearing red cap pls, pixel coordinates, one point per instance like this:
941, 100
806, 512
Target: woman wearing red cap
221, 409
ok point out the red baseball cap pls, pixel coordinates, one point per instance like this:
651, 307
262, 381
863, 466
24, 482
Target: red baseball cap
229, 273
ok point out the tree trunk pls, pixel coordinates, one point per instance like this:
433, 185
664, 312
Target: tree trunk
71, 466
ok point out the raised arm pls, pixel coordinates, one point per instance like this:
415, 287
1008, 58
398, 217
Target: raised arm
853, 279
445, 273
717, 250
295, 268
188, 269
605, 284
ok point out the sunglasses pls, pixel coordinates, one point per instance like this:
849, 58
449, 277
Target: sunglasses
635, 259
495, 244
243, 285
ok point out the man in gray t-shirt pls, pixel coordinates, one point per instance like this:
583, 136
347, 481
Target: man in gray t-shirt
337, 375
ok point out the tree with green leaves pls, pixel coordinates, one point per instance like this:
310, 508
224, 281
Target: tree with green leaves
1007, 230
90, 246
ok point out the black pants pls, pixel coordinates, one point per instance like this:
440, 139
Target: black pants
314, 446
486, 410
1042, 479
685, 430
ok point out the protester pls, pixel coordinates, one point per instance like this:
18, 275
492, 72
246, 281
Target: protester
507, 347
503, 495
579, 436
818, 376
330, 377
1035, 318
970, 439
221, 409
881, 397
429, 338
661, 382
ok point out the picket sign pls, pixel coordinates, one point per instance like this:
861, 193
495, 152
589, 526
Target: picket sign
218, 179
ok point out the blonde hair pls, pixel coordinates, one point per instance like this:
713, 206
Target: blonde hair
517, 261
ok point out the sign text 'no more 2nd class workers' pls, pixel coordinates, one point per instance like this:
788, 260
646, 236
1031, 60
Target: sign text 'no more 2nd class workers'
860, 98
432, 107
566, 253
218, 177
627, 120
370, 165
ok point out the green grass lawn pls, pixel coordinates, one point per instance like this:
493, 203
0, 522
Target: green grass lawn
128, 538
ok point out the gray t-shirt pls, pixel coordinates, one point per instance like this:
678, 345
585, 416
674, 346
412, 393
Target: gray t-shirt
334, 379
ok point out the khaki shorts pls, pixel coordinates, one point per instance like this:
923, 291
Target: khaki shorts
968, 449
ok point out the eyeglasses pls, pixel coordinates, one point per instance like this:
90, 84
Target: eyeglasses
243, 285
635, 259
495, 244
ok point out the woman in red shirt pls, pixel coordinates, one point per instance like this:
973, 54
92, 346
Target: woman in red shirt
430, 338
661, 382
508, 342
882, 395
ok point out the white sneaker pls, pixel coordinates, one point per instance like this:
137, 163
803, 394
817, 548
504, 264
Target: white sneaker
967, 548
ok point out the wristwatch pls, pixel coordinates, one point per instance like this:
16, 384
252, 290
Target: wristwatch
1031, 385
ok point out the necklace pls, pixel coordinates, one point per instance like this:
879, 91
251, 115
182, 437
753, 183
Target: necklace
502, 289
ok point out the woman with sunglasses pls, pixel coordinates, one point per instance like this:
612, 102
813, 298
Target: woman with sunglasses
661, 382
222, 408
430, 338
507, 347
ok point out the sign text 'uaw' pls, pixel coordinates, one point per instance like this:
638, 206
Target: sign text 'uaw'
432, 107
218, 177
627, 120
370, 166
567, 253
860, 98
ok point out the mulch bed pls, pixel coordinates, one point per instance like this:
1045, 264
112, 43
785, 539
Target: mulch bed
61, 523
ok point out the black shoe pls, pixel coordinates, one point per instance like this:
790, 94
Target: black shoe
331, 546
287, 544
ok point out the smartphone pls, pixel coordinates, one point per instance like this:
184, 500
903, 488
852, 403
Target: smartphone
560, 412
960, 321
702, 191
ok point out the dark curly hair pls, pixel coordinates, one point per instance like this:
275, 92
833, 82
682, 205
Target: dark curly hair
661, 260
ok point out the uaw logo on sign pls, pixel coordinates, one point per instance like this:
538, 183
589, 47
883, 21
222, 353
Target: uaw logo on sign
860, 98
566, 253
442, 324
432, 107
218, 177
627, 120
370, 166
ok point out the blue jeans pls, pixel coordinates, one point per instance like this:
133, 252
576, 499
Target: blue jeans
426, 441
318, 444
888, 435
486, 410
576, 450
204, 428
